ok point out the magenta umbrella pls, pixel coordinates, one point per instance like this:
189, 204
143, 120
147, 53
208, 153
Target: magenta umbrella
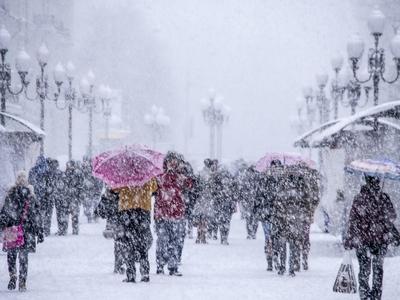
130, 166
287, 159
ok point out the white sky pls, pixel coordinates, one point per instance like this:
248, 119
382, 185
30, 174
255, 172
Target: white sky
257, 54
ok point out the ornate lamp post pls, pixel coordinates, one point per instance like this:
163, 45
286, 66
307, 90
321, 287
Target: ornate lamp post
321, 100
105, 92
43, 91
90, 104
22, 65
308, 95
215, 114
157, 120
376, 55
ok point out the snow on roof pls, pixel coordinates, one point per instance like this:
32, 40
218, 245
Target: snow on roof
303, 138
370, 112
24, 123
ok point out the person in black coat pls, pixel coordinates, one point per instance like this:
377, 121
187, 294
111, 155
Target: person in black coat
74, 188
21, 207
60, 198
370, 231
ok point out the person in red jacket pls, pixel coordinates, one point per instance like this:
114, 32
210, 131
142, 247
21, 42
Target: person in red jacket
169, 214
370, 232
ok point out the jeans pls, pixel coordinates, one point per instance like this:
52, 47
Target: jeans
47, 212
170, 237
251, 225
370, 257
23, 263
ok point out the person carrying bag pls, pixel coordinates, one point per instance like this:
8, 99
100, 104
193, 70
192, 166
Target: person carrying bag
21, 222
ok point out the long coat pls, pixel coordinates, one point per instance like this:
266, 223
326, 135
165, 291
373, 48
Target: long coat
370, 222
12, 211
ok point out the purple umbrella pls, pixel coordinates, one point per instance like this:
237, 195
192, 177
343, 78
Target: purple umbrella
287, 159
130, 166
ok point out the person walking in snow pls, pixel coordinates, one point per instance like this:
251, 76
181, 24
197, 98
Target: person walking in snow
266, 194
169, 214
248, 190
370, 232
60, 199
21, 208
91, 191
224, 203
107, 209
133, 227
74, 185
203, 209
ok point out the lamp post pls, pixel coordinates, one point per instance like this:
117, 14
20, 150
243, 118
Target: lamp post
43, 92
105, 92
321, 100
215, 114
308, 95
91, 105
337, 90
376, 55
157, 120
22, 65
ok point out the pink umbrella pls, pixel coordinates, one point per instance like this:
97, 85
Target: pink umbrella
130, 166
287, 159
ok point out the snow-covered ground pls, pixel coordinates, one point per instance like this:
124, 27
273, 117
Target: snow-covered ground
80, 267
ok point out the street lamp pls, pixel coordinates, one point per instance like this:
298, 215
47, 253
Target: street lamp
105, 92
42, 85
22, 66
157, 120
90, 103
321, 100
376, 55
215, 114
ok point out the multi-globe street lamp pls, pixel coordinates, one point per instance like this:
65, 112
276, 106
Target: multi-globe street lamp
376, 54
22, 66
157, 121
215, 114
90, 102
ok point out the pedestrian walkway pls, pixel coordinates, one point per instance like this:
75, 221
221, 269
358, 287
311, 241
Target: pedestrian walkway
80, 267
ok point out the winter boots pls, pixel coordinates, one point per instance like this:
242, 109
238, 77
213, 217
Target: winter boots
22, 285
13, 283
160, 270
174, 272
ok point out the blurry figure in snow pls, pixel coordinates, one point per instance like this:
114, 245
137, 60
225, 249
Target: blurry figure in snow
21, 208
248, 191
309, 204
203, 208
60, 198
224, 203
291, 215
134, 208
191, 195
266, 194
107, 209
214, 191
74, 185
370, 231
91, 190
169, 214
38, 176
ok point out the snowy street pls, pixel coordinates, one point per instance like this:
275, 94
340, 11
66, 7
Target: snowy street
80, 267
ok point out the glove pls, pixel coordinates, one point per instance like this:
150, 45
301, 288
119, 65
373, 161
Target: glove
347, 245
40, 238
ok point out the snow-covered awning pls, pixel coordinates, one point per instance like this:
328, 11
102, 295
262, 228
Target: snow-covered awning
17, 124
327, 135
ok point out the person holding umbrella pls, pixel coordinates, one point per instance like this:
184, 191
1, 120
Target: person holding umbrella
371, 229
130, 174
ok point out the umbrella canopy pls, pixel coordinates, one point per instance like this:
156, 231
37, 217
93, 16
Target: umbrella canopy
378, 168
287, 159
130, 166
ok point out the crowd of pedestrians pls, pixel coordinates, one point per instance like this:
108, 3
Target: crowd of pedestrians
282, 199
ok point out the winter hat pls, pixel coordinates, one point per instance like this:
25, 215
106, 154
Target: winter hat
22, 178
